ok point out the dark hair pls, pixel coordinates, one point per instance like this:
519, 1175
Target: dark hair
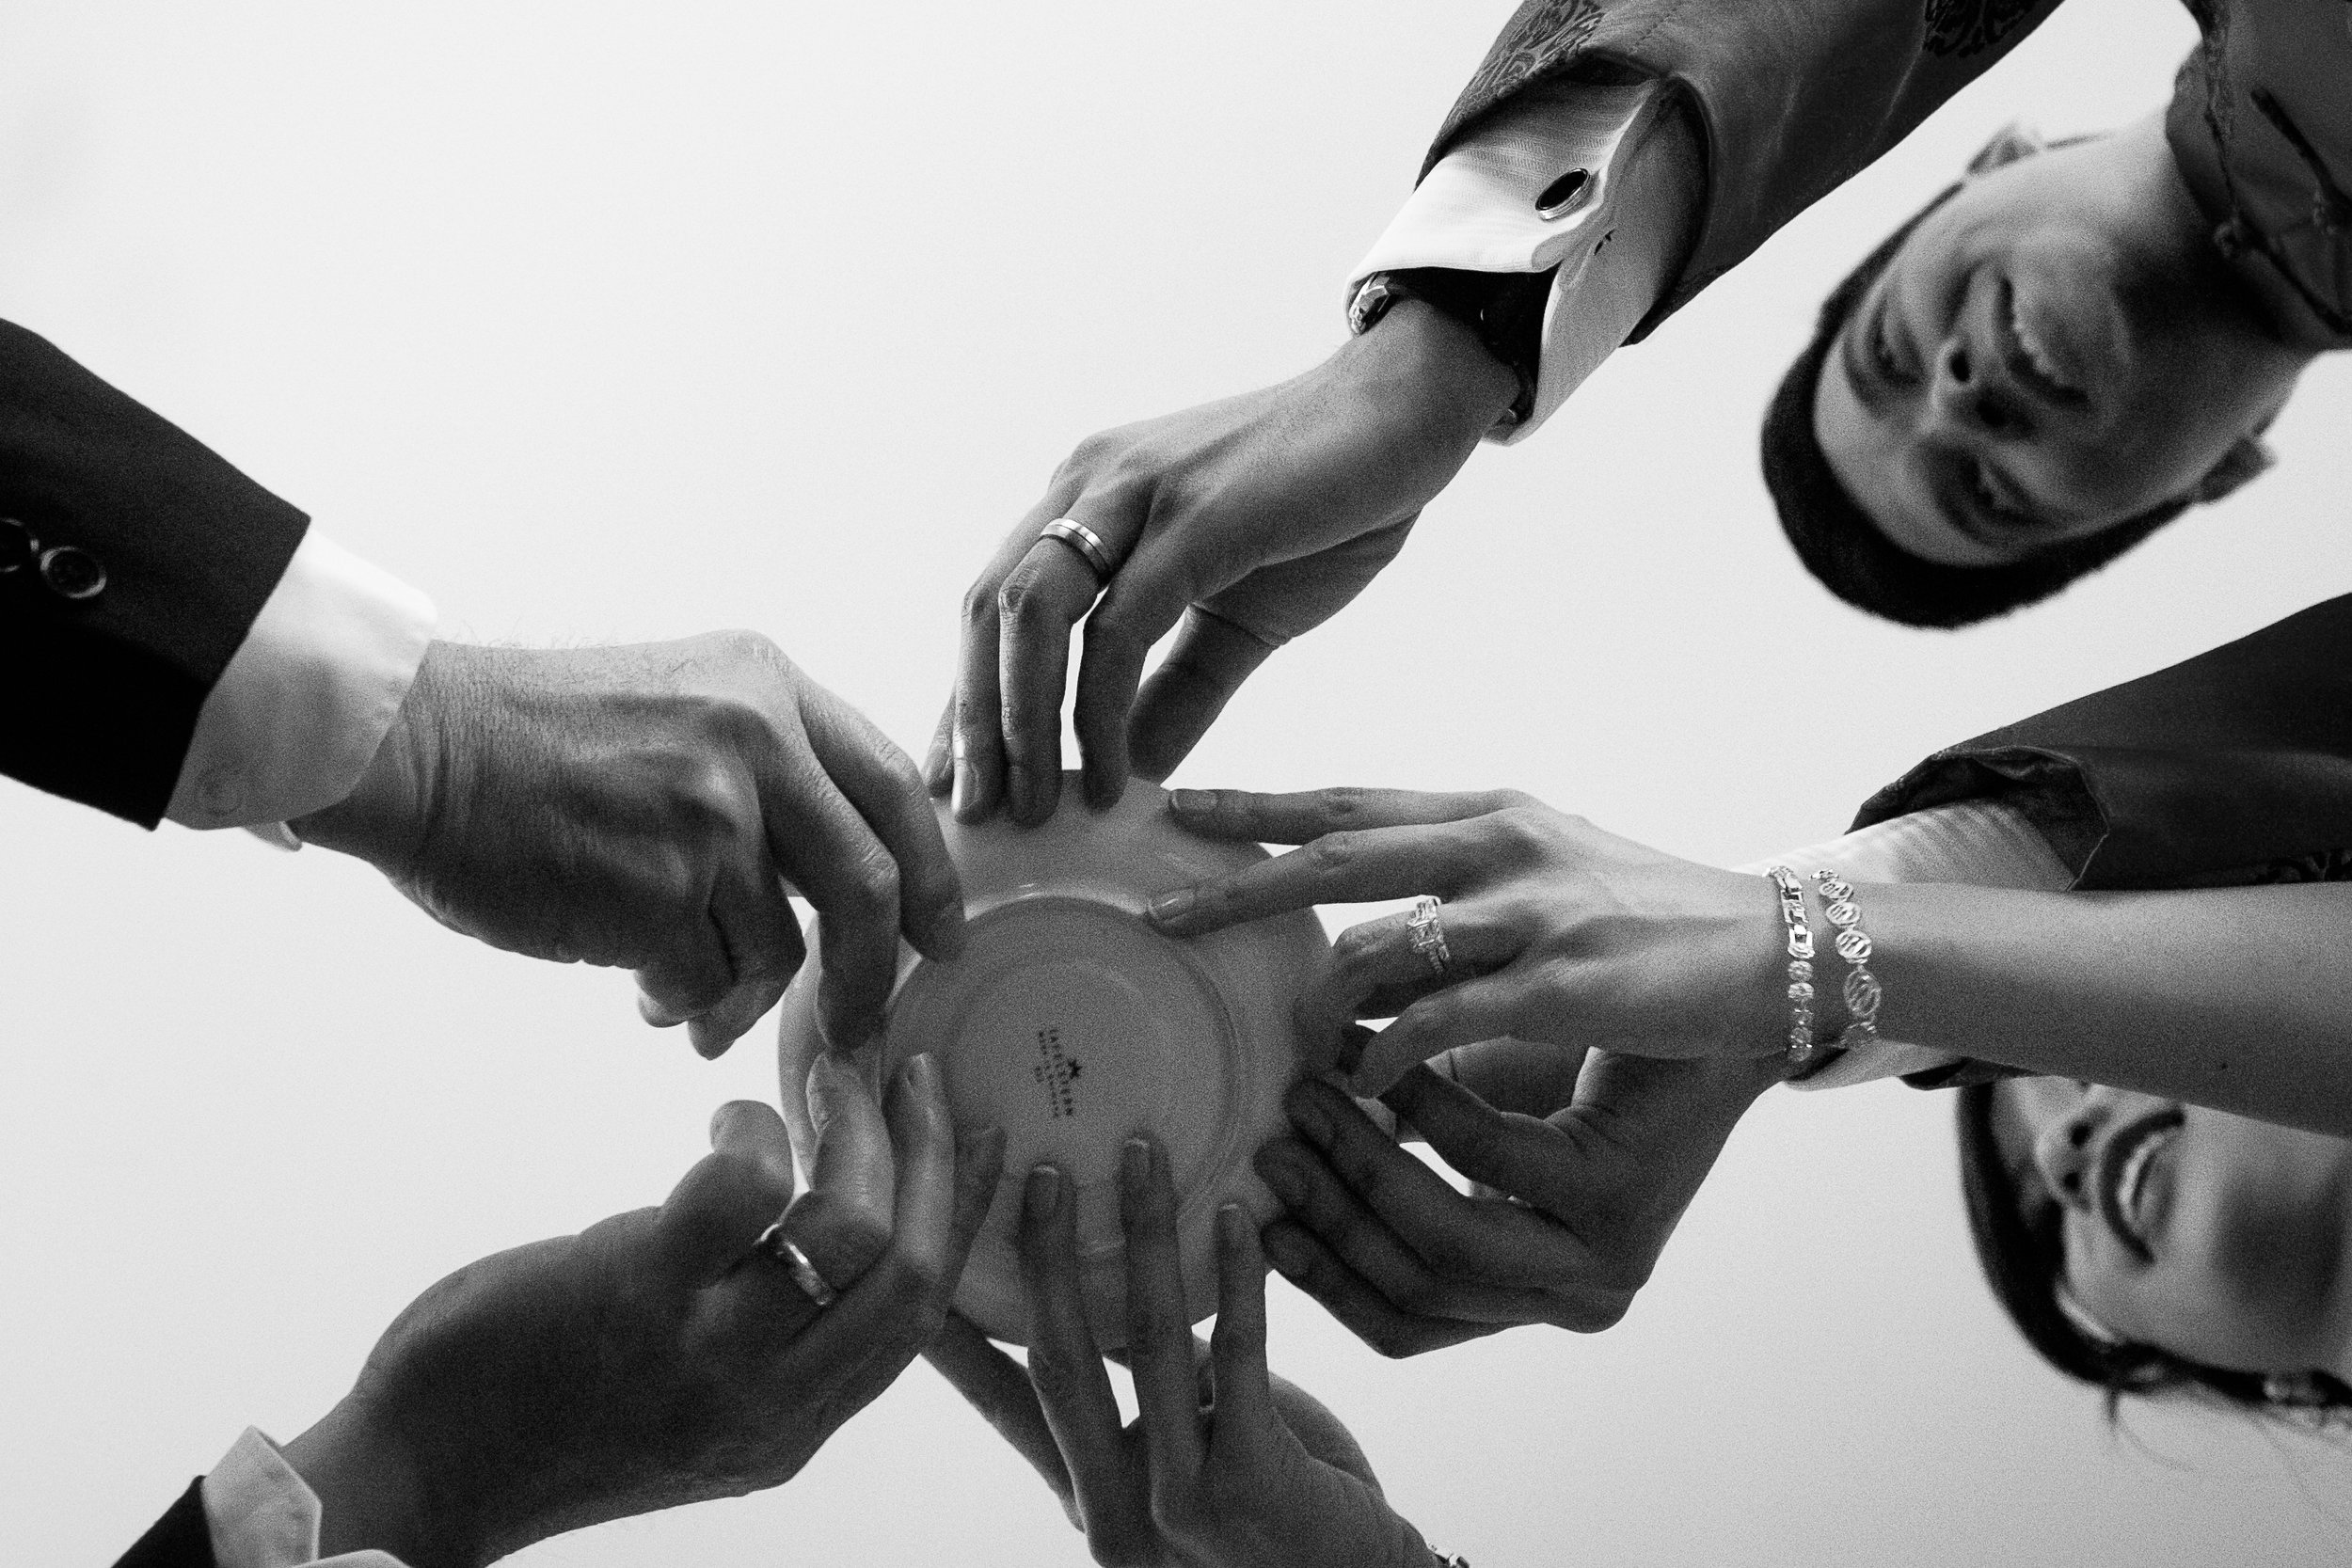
2023, 1253
1843, 548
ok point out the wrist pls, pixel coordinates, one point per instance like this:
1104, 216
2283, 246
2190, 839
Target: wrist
1436, 364
373, 1491
383, 819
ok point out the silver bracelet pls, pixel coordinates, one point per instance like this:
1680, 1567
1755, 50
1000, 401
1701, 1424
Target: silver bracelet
1862, 991
1800, 947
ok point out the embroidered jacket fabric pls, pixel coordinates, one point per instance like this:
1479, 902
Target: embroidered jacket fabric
2260, 125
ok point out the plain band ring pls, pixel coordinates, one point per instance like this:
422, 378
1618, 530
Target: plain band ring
1088, 543
777, 1246
1427, 938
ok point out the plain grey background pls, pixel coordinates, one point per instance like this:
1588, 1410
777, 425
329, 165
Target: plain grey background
619, 322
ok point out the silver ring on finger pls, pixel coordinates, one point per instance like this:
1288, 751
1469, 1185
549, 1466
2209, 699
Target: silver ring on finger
779, 1249
1427, 936
1088, 544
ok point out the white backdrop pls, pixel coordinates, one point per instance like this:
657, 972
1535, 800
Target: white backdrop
627, 321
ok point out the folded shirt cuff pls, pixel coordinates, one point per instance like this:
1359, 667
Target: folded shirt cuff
301, 708
1978, 842
262, 1514
1615, 245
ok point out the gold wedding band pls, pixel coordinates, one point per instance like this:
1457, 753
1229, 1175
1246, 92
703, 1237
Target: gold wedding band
1088, 544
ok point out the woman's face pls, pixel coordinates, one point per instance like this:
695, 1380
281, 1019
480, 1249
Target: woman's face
2221, 1240
2055, 350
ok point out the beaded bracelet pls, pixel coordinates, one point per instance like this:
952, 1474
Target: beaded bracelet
1862, 990
1800, 946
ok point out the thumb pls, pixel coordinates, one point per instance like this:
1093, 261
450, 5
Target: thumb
719, 1207
843, 1221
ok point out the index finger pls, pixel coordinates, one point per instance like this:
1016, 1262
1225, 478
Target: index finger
1295, 819
1159, 1326
1340, 867
880, 782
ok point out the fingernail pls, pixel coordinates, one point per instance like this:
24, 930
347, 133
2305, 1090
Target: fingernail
1043, 1197
824, 1087
1286, 1252
1190, 803
967, 787
1135, 1161
1170, 909
922, 1073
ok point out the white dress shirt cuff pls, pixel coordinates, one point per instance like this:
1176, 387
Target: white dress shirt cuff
1980, 843
262, 1514
1615, 248
300, 710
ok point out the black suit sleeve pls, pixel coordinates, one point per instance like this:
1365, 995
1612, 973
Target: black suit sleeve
181, 1539
133, 561
2232, 767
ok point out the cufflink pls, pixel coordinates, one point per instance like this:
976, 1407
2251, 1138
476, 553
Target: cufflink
18, 548
73, 573
1565, 195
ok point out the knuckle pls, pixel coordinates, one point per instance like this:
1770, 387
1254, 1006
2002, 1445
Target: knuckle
1054, 1377
1022, 602
1091, 453
980, 600
1597, 1316
1333, 852
1355, 946
874, 886
1173, 1510
741, 645
1522, 828
1347, 804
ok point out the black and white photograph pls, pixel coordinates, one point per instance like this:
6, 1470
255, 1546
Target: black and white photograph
1228, 786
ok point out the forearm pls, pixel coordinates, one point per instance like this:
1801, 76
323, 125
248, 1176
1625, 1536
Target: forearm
1595, 187
1423, 363
2237, 999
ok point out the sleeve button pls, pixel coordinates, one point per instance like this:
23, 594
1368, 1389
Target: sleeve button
18, 549
73, 573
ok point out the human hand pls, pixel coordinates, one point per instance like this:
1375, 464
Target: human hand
1226, 1465
1574, 1201
641, 807
1559, 934
652, 1360
1252, 520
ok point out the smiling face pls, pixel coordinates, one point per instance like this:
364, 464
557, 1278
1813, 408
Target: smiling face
2218, 1239
2056, 350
